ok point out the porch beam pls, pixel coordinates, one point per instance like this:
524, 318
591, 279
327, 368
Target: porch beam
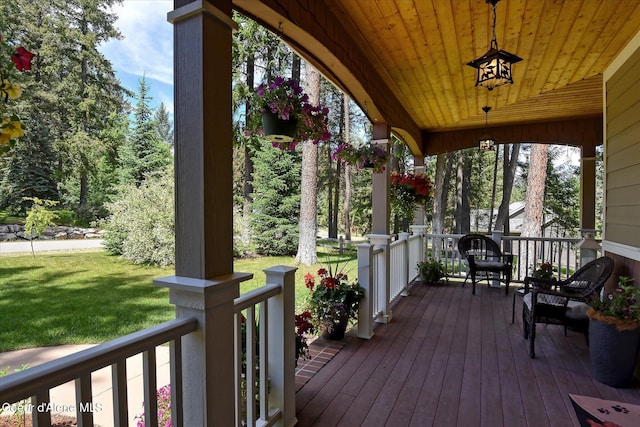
586, 133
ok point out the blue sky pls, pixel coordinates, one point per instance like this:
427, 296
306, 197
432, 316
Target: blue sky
146, 48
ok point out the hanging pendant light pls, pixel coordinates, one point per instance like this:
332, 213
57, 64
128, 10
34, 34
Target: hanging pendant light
494, 67
487, 143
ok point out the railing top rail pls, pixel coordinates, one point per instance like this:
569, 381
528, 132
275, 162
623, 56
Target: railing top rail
256, 296
377, 251
416, 236
543, 239
445, 235
29, 382
396, 243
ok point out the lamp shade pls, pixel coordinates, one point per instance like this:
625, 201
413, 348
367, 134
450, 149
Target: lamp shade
487, 144
494, 68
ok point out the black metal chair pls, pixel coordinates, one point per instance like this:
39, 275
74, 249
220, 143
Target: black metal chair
563, 302
483, 255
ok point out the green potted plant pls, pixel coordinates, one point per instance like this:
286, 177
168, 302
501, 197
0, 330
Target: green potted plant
287, 116
544, 271
332, 302
614, 334
431, 270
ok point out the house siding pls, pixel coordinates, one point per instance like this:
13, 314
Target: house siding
622, 154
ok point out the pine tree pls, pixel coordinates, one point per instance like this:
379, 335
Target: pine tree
29, 172
74, 88
164, 127
276, 206
144, 151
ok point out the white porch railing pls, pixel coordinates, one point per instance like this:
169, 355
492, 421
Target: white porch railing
386, 268
35, 383
262, 386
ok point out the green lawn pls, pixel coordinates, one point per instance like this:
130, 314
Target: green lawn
91, 297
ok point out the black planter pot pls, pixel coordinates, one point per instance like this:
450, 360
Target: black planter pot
276, 129
334, 330
613, 353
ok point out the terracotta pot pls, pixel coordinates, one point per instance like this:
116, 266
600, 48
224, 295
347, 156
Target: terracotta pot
613, 353
276, 129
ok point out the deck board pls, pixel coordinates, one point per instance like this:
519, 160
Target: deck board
450, 358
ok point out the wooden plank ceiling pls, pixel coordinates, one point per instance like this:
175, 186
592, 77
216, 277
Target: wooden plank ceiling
420, 49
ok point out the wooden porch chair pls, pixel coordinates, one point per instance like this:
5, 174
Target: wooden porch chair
483, 255
563, 302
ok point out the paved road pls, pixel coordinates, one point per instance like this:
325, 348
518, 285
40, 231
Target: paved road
49, 245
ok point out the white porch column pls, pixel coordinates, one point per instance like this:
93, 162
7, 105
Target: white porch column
380, 184
205, 285
365, 278
208, 383
382, 273
203, 137
589, 246
421, 229
419, 216
588, 188
282, 345
404, 236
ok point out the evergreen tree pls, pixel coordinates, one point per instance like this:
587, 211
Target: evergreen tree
276, 206
562, 193
144, 151
29, 172
164, 127
73, 89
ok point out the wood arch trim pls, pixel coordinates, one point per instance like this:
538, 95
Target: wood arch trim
585, 133
315, 33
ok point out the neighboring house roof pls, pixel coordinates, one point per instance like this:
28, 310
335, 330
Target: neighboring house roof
516, 218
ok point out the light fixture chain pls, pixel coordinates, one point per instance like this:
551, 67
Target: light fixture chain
494, 40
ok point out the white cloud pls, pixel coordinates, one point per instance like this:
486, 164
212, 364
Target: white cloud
147, 46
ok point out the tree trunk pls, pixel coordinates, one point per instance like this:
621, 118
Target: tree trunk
534, 202
84, 192
347, 202
463, 207
347, 175
332, 229
465, 214
510, 164
493, 192
307, 253
248, 161
443, 175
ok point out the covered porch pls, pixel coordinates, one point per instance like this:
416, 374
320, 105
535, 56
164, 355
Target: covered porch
452, 359
447, 358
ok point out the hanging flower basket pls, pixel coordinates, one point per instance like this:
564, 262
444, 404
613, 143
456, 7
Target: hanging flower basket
287, 116
277, 129
408, 191
367, 156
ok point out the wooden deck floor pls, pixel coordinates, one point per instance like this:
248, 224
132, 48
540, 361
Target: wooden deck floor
452, 359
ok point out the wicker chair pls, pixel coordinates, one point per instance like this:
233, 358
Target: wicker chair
483, 255
563, 302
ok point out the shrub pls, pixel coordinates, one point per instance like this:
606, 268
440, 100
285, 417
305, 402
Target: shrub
141, 226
